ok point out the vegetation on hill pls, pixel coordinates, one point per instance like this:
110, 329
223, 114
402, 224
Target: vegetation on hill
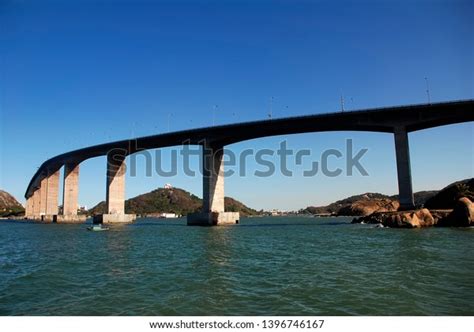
173, 200
9, 206
233, 205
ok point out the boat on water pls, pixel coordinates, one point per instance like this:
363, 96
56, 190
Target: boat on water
97, 228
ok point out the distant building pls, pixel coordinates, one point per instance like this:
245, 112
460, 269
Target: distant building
276, 212
168, 215
168, 186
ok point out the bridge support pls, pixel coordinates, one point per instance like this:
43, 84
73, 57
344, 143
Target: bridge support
36, 204
29, 207
50, 200
43, 197
70, 195
402, 150
213, 211
115, 191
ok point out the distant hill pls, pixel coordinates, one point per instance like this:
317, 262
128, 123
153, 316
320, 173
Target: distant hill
365, 204
173, 200
9, 206
357, 205
420, 197
233, 205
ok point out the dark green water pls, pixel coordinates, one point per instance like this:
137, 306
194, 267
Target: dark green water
264, 266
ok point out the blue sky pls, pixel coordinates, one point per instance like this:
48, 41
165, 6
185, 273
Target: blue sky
77, 73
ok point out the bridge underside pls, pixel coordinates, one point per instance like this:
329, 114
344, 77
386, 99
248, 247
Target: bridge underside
42, 191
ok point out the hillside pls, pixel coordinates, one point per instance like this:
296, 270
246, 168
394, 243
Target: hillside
173, 200
365, 204
343, 206
448, 196
420, 197
233, 205
9, 206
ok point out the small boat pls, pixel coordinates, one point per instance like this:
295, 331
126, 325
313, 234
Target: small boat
97, 228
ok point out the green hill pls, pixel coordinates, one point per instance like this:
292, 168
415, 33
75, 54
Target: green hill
173, 200
233, 205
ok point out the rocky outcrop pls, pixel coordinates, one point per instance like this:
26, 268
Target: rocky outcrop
406, 219
450, 207
461, 216
411, 219
439, 215
447, 198
366, 204
358, 205
368, 207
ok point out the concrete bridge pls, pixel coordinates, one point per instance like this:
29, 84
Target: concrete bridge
42, 192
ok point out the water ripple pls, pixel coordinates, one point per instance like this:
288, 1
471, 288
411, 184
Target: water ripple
265, 266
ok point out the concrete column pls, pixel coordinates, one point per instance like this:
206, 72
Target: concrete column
52, 193
115, 190
213, 179
36, 203
213, 210
28, 207
115, 198
402, 150
70, 189
31, 208
70, 195
43, 196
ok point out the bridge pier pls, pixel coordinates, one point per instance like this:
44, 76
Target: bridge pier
115, 191
70, 195
402, 150
43, 204
43, 197
213, 211
28, 207
50, 200
36, 204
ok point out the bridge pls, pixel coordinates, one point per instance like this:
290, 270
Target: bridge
42, 193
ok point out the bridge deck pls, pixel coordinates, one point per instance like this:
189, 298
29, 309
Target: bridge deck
386, 119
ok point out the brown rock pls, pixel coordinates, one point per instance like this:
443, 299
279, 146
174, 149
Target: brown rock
462, 215
425, 218
448, 197
439, 215
405, 219
368, 207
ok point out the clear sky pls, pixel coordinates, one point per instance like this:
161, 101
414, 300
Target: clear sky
78, 73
